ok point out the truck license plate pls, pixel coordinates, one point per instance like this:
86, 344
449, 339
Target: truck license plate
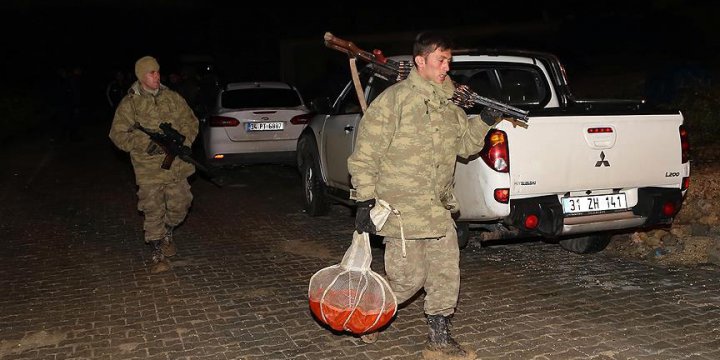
583, 204
264, 126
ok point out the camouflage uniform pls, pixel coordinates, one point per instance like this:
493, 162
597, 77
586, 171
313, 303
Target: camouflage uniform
163, 195
405, 154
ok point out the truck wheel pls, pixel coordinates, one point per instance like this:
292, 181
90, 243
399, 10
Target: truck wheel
586, 244
316, 202
463, 234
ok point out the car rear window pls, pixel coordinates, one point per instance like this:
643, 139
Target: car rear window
259, 98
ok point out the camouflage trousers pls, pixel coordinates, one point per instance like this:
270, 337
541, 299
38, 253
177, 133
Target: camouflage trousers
163, 205
431, 264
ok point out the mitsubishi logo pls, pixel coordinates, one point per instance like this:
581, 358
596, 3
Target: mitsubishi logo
602, 161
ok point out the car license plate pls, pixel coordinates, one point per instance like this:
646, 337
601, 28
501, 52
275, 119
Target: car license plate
264, 126
584, 204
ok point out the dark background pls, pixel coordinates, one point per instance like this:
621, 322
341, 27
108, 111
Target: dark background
264, 41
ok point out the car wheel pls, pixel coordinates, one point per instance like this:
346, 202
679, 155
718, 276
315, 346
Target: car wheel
316, 202
463, 234
586, 244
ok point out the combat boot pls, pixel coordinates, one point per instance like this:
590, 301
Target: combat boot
440, 345
167, 245
159, 263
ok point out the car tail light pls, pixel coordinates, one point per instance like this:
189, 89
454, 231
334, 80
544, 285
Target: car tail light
223, 121
300, 119
685, 183
495, 151
684, 144
502, 195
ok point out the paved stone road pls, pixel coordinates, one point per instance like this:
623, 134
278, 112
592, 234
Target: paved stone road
75, 285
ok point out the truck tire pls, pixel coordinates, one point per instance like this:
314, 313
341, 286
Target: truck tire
463, 234
316, 202
588, 244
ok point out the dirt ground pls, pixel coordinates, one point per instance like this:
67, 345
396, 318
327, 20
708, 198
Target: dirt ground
694, 237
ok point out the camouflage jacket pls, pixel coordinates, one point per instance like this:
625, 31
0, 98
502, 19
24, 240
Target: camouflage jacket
405, 153
150, 111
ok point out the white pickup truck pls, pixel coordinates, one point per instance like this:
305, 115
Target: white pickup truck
580, 171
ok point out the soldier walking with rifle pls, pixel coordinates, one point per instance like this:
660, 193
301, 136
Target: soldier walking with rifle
405, 154
155, 124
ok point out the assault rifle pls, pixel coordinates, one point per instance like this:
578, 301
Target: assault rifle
463, 96
173, 144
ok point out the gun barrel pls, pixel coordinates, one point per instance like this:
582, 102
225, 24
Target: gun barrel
191, 160
401, 69
517, 113
210, 177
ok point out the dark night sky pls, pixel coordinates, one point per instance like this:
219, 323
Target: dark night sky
39, 36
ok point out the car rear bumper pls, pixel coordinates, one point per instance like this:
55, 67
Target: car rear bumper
282, 157
551, 221
221, 151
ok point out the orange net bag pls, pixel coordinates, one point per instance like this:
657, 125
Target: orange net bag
350, 296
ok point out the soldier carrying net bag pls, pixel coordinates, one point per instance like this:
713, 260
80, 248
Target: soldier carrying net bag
350, 296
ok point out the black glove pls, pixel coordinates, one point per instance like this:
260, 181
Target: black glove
363, 223
491, 116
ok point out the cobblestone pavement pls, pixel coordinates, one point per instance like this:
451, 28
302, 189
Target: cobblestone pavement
75, 285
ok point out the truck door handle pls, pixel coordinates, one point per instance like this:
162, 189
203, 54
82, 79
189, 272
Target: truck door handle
349, 129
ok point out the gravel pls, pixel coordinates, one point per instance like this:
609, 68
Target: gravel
694, 237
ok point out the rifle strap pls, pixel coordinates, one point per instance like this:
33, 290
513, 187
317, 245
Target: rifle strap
356, 82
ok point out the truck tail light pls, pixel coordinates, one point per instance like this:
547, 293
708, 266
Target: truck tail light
685, 148
223, 121
495, 152
669, 209
300, 119
600, 130
531, 222
684, 144
502, 195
